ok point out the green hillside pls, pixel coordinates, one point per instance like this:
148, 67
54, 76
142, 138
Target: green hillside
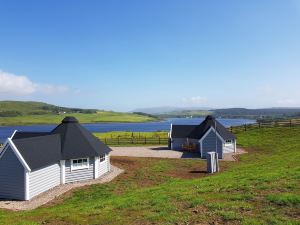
25, 113
262, 188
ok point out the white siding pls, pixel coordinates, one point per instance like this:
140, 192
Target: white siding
104, 166
81, 174
11, 176
44, 179
228, 148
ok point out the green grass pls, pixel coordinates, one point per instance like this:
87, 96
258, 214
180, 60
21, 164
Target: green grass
262, 188
28, 113
100, 116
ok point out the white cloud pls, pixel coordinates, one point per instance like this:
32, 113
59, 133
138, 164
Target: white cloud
196, 100
16, 85
13, 84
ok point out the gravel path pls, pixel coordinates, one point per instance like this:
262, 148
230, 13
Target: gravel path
57, 191
163, 152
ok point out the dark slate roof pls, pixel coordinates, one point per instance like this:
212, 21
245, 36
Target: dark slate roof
182, 131
39, 151
19, 135
69, 140
197, 131
78, 142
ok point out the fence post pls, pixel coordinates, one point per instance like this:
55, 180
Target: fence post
231, 129
131, 140
245, 127
105, 141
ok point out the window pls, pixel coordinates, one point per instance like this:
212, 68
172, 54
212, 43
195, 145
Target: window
102, 158
78, 164
228, 141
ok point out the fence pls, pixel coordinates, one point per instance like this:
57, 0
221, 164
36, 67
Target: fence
283, 123
135, 141
164, 140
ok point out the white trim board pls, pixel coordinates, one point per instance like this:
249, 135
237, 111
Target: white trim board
205, 135
208, 131
96, 167
82, 167
26, 185
62, 171
16, 152
13, 134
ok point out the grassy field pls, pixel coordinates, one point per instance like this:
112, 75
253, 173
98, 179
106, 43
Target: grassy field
262, 188
100, 116
27, 113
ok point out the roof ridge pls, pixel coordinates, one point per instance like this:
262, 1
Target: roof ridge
86, 140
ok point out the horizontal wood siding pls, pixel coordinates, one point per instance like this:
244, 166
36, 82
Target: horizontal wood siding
104, 166
228, 148
79, 175
44, 179
209, 145
11, 176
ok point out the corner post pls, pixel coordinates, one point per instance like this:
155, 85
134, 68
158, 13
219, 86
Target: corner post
234, 145
96, 167
26, 185
62, 172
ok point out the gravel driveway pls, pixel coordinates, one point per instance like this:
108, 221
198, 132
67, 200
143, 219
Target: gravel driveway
163, 152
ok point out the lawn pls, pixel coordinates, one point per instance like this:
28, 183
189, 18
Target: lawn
262, 188
100, 116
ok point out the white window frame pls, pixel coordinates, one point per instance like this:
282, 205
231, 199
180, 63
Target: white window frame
102, 157
80, 167
228, 141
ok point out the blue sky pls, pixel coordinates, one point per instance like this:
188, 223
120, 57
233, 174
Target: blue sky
127, 54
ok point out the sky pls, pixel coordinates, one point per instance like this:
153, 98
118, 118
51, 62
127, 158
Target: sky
126, 54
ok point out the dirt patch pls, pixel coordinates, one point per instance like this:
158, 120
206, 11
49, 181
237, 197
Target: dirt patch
137, 172
176, 168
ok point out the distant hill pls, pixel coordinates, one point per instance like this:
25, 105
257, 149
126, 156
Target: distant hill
271, 113
27, 113
168, 109
19, 108
260, 114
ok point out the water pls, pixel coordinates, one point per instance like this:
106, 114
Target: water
6, 131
